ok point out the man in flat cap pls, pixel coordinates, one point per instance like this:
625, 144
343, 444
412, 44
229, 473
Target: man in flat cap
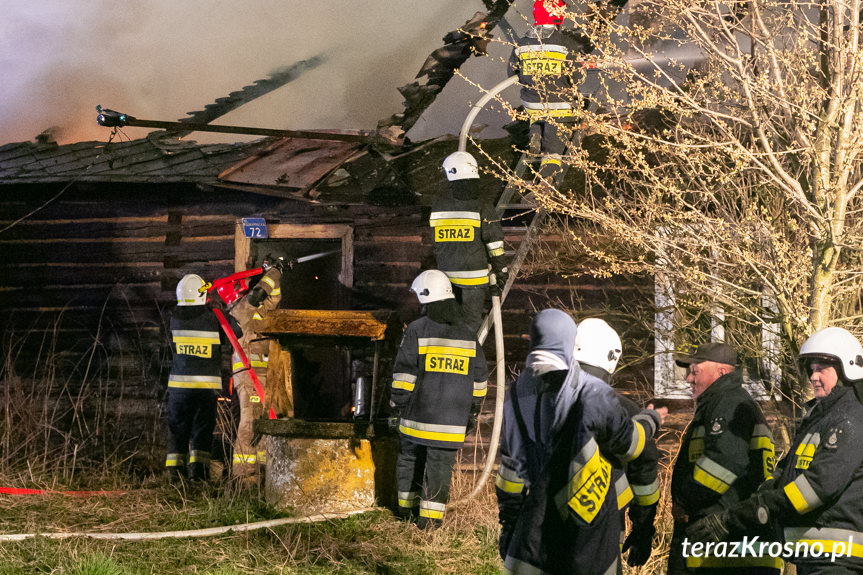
726, 453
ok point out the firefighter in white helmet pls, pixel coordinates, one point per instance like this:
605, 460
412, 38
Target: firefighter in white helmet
250, 311
440, 377
813, 501
597, 350
195, 381
468, 238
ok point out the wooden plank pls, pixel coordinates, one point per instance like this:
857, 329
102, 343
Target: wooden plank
334, 323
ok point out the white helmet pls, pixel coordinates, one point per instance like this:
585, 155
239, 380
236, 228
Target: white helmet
460, 166
432, 285
836, 346
190, 290
597, 344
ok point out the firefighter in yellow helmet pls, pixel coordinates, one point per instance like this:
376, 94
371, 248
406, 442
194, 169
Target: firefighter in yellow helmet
250, 311
195, 381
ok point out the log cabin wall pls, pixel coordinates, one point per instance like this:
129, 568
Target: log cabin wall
87, 278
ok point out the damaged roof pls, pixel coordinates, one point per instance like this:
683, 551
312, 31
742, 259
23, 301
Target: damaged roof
150, 159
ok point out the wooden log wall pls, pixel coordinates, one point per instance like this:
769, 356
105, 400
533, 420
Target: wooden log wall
95, 270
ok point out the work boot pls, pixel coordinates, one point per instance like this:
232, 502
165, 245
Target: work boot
199, 472
176, 473
429, 524
407, 514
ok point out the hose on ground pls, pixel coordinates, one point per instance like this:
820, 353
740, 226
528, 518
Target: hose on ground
207, 532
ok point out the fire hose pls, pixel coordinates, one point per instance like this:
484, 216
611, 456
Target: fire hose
206, 532
238, 349
500, 395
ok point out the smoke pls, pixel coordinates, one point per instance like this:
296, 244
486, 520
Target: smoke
160, 59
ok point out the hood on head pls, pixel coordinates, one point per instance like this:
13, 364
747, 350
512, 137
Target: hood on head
553, 330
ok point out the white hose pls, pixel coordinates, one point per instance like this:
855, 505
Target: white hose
495, 307
471, 116
208, 532
498, 404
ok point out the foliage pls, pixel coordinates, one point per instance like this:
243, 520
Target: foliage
721, 153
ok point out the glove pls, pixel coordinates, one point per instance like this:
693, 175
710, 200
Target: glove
501, 274
713, 527
640, 539
393, 423
473, 420
638, 543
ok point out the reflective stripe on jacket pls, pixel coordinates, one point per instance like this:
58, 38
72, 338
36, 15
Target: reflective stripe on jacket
440, 371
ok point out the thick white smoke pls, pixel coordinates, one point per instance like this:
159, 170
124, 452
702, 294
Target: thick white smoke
159, 59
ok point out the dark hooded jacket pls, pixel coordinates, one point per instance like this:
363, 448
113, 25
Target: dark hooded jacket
561, 427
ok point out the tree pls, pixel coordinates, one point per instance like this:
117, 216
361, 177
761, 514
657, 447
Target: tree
723, 153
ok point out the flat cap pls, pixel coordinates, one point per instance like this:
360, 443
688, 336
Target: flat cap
713, 351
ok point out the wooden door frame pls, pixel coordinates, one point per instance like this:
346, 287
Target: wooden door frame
345, 233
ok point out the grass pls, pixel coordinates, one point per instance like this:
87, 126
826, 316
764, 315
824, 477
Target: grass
370, 543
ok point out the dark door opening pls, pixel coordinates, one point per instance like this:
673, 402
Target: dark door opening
313, 284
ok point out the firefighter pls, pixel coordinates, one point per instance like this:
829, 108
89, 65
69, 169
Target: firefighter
440, 378
195, 380
726, 452
250, 311
546, 62
468, 238
597, 351
557, 501
815, 497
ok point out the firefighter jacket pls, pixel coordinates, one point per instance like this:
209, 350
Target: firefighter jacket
467, 236
250, 317
562, 427
197, 341
726, 451
819, 488
636, 481
439, 372
547, 69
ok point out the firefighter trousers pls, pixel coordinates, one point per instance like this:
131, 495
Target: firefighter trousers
423, 475
191, 422
247, 459
472, 301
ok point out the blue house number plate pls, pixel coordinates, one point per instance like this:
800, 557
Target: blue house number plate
255, 228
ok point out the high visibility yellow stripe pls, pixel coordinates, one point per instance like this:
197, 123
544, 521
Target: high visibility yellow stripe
469, 281
175, 459
636, 445
760, 442
438, 349
262, 457
199, 456
269, 281
709, 481
480, 388
246, 458
802, 496
831, 539
508, 486
191, 340
410, 503
195, 384
624, 498
645, 500
547, 160
433, 435
275, 292
456, 222
432, 509
407, 386
495, 252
